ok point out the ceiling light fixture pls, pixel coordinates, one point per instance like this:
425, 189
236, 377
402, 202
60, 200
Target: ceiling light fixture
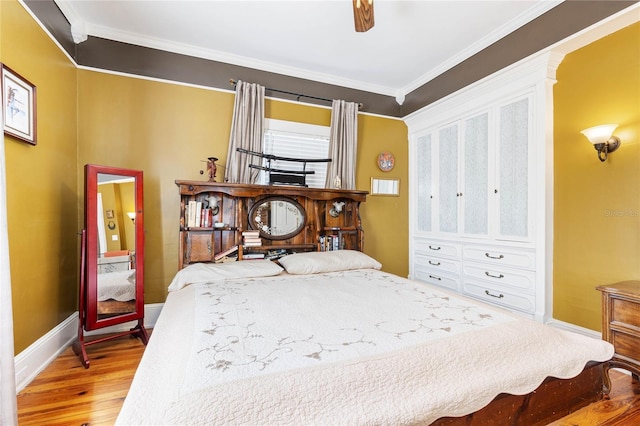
363, 15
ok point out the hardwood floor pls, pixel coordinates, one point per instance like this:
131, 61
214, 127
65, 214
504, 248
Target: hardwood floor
67, 394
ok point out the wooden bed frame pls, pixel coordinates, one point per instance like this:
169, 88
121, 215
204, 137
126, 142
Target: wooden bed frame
552, 400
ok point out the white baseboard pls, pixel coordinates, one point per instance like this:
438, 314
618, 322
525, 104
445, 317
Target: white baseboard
575, 328
30, 362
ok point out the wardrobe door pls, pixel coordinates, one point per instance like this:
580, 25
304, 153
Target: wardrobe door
448, 192
425, 184
513, 171
475, 195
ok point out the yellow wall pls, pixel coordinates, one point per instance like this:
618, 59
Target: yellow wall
42, 182
597, 205
166, 130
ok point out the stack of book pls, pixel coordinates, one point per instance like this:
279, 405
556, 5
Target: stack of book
251, 238
198, 216
228, 255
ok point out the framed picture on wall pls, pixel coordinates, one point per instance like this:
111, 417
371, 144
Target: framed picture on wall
18, 106
381, 186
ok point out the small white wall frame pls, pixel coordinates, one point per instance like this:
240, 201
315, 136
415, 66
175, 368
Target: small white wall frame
385, 186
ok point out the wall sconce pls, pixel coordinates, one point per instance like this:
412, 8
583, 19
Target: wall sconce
602, 139
337, 208
212, 203
132, 216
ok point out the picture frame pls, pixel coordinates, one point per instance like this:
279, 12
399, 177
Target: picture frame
18, 106
385, 186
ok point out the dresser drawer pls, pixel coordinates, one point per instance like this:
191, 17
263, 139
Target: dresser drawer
437, 264
520, 302
437, 248
497, 255
437, 278
626, 345
625, 312
501, 276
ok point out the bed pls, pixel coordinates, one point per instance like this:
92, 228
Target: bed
116, 292
329, 338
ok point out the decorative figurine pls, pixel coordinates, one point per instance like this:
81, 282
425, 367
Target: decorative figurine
212, 168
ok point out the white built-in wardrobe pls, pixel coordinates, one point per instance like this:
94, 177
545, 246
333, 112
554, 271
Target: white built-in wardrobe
481, 164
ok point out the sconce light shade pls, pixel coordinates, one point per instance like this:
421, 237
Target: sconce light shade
132, 216
212, 203
602, 139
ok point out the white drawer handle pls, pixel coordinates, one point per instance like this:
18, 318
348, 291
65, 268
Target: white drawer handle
434, 247
494, 257
493, 276
500, 296
435, 278
434, 263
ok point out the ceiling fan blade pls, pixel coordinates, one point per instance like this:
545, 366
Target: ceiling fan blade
363, 15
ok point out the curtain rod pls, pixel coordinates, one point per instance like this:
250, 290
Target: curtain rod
298, 95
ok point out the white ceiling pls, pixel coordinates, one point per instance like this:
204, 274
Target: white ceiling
411, 43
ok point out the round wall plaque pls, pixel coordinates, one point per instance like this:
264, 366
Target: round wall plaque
386, 161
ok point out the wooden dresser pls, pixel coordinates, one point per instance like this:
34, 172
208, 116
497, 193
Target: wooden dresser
621, 323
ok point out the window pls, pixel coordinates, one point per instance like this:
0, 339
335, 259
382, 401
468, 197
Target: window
297, 140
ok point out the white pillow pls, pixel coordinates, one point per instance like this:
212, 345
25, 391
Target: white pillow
327, 261
204, 272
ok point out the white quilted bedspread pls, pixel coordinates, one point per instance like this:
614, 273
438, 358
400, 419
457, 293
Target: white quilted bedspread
356, 347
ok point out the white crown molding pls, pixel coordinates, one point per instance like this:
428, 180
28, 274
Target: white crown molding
214, 55
524, 18
78, 25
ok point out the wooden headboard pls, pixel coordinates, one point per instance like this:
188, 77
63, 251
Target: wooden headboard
214, 216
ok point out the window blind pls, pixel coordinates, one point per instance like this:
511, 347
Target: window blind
297, 145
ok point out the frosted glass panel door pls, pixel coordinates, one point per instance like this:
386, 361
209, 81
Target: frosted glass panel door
425, 183
513, 170
476, 175
448, 179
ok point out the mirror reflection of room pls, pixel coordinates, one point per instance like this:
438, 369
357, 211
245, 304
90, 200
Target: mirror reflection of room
116, 245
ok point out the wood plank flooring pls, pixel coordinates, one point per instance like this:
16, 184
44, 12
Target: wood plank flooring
67, 394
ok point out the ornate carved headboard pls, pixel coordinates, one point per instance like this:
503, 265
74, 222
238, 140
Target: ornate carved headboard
215, 218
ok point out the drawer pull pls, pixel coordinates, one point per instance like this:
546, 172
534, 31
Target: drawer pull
435, 278
500, 296
494, 257
493, 276
434, 263
434, 247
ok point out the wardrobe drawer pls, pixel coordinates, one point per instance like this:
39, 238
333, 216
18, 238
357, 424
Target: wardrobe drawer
497, 296
437, 278
437, 264
438, 248
501, 276
497, 255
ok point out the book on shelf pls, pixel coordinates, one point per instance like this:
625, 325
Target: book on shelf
275, 254
191, 214
252, 243
206, 219
226, 259
225, 253
198, 217
249, 256
251, 233
331, 242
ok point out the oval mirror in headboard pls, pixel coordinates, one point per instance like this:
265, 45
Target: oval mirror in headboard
277, 218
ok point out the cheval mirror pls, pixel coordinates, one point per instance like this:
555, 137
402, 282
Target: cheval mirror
112, 255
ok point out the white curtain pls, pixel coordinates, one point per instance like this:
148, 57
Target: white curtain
343, 144
247, 127
8, 404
